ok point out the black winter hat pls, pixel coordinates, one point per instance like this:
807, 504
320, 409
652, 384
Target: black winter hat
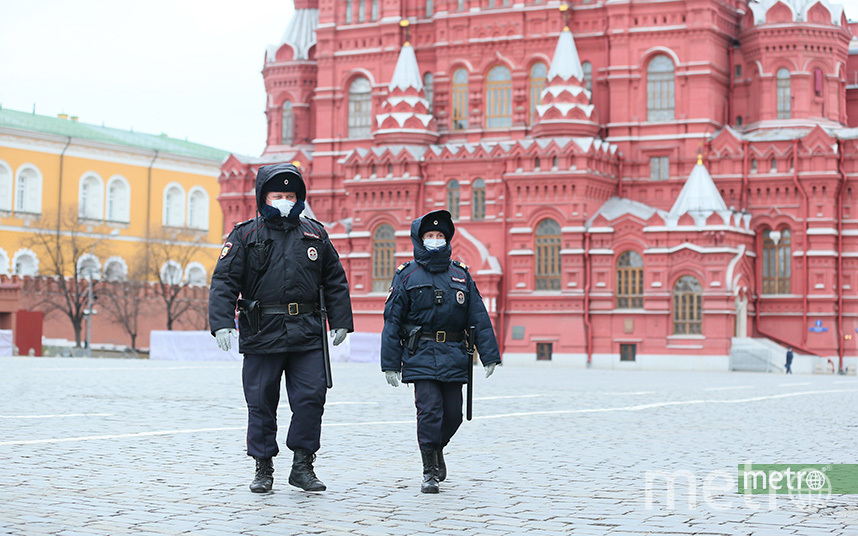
282, 182
440, 220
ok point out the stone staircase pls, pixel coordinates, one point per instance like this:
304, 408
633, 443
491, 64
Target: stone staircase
756, 355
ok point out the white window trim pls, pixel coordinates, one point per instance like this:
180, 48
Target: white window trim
6, 196
163, 272
5, 267
187, 275
86, 257
27, 210
206, 202
182, 201
86, 175
118, 260
20, 253
123, 218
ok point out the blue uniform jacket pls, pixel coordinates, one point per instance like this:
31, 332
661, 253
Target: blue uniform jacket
412, 301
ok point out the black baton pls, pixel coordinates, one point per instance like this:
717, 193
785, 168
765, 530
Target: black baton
329, 381
469, 407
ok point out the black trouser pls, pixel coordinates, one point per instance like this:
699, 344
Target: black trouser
439, 412
306, 389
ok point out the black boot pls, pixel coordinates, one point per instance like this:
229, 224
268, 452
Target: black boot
430, 471
442, 467
264, 478
302, 475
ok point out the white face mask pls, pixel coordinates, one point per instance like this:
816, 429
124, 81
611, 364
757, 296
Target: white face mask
283, 205
433, 244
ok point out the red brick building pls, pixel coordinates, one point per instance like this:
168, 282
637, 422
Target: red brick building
660, 184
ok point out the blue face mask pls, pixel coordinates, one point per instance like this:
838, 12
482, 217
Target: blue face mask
433, 244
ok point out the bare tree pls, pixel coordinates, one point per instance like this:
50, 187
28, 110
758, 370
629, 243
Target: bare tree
124, 298
167, 257
63, 248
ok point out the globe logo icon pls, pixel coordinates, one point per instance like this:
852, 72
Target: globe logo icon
815, 480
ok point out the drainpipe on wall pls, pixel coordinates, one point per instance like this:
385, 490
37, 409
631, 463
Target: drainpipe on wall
620, 175
804, 241
60, 188
587, 325
839, 280
507, 271
149, 196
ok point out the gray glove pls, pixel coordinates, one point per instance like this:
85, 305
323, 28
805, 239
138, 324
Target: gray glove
339, 335
392, 377
490, 368
222, 336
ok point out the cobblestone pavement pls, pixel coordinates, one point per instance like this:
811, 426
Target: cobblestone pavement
109, 447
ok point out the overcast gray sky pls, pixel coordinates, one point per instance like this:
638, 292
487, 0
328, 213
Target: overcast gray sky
187, 68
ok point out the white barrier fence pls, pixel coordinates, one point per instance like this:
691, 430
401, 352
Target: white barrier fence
7, 342
201, 346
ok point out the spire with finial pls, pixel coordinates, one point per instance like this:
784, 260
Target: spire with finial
699, 197
566, 108
404, 116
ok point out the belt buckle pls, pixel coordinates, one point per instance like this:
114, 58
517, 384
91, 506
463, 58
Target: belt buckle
440, 336
293, 309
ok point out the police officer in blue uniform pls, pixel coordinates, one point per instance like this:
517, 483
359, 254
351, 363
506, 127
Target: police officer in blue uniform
277, 263
431, 303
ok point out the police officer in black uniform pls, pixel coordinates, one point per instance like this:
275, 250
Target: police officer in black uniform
432, 301
277, 263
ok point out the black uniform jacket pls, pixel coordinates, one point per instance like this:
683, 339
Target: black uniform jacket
412, 301
277, 262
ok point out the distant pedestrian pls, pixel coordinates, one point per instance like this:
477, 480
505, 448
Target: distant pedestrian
432, 301
789, 360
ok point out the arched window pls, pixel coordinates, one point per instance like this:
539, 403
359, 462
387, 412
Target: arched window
198, 209
195, 275
383, 262
453, 195
430, 8
25, 263
174, 206
348, 11
360, 108
429, 89
588, 75
171, 273
548, 255
5, 189
630, 281
460, 5
478, 200
538, 72
286, 124
90, 205
88, 266
460, 99
777, 261
4, 262
361, 10
118, 200
374, 9
499, 98
783, 94
687, 306
659, 89
28, 191
115, 269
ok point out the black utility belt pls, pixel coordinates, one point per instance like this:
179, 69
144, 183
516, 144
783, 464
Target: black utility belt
291, 309
442, 336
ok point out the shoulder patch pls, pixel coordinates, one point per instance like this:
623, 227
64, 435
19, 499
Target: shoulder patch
402, 266
308, 234
460, 264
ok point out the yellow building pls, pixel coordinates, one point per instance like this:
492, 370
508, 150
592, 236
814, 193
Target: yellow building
124, 191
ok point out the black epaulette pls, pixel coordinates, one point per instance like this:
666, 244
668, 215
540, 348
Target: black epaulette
243, 223
402, 266
322, 225
460, 264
